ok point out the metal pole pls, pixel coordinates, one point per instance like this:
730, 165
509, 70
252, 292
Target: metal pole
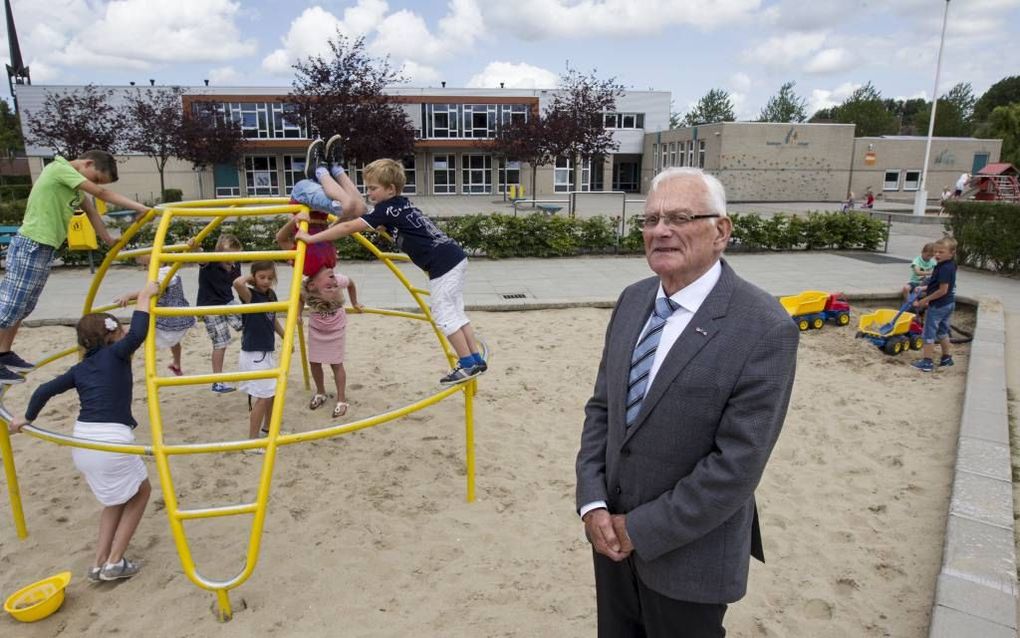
921, 196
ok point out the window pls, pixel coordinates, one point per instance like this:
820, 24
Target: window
260, 175
265, 120
479, 120
911, 180
891, 181
509, 173
357, 174
682, 155
441, 120
444, 174
672, 154
690, 152
516, 113
586, 175
701, 154
293, 171
226, 180
655, 154
624, 120
563, 175
665, 155
410, 176
477, 174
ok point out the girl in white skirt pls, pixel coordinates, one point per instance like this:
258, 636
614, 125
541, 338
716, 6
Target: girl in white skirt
258, 344
170, 331
103, 381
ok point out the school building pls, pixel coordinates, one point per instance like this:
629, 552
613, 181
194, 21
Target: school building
454, 127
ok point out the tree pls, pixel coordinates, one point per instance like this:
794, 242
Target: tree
714, 106
949, 120
906, 113
825, 116
1004, 123
1005, 91
208, 137
575, 119
962, 97
785, 106
72, 122
11, 140
342, 93
525, 141
676, 119
155, 120
865, 108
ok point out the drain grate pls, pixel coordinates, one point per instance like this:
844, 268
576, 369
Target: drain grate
515, 295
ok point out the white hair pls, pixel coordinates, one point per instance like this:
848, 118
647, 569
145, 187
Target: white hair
716, 191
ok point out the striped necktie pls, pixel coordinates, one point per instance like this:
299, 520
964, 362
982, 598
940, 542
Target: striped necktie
644, 355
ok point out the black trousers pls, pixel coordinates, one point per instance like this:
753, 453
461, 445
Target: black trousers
629, 609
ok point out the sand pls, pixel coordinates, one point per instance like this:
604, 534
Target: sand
369, 534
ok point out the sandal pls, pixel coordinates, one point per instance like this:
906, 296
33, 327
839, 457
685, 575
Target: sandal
340, 409
318, 400
176, 369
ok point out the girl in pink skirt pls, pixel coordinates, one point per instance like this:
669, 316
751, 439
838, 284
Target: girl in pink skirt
327, 333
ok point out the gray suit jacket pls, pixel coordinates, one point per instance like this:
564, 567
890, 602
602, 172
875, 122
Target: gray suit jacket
685, 472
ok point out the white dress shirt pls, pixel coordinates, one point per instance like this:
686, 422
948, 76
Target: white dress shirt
689, 300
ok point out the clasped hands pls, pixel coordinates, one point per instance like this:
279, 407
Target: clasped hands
607, 533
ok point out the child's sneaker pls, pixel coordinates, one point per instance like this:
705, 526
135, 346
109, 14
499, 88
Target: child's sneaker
93, 574
222, 388
15, 363
313, 159
123, 569
333, 151
946, 361
460, 375
924, 365
9, 377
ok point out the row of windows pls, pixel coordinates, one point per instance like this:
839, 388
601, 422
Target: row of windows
468, 121
262, 177
678, 154
624, 120
911, 180
264, 120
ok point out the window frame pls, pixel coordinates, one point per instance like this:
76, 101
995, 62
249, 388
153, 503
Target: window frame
885, 182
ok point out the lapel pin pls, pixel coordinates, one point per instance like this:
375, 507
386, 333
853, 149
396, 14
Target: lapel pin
701, 331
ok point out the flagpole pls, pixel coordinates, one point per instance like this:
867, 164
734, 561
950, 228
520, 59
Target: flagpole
921, 196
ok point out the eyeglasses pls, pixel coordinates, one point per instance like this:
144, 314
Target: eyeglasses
674, 220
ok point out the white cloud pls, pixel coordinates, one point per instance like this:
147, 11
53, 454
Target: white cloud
784, 51
42, 72
308, 36
830, 61
224, 76
513, 76
825, 99
740, 81
419, 74
405, 35
544, 19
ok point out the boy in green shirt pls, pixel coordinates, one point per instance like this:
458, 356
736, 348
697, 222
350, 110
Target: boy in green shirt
55, 196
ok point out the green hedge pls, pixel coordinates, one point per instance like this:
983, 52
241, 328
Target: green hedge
987, 234
538, 235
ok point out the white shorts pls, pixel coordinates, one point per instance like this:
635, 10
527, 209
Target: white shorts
258, 388
114, 478
446, 299
169, 338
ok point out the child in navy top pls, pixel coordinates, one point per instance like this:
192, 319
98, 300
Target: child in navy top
428, 248
104, 382
258, 344
940, 300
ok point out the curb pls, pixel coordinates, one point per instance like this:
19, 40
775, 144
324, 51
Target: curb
976, 592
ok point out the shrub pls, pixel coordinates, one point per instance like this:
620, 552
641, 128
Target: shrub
172, 195
987, 234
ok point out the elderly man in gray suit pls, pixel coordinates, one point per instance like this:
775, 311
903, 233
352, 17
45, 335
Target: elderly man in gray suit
690, 396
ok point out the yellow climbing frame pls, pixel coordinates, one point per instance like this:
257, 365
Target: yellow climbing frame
176, 255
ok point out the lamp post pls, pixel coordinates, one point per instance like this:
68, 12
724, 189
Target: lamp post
921, 196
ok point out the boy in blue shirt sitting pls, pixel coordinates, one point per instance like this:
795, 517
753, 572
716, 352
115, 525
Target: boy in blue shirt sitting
442, 259
939, 298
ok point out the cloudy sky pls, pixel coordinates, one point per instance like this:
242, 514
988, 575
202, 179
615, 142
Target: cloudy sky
748, 47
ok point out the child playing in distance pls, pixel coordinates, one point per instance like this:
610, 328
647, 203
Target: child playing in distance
170, 331
920, 269
940, 300
104, 383
327, 333
428, 248
215, 288
258, 343
56, 194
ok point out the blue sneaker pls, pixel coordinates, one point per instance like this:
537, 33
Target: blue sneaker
924, 365
15, 363
460, 375
222, 388
946, 361
9, 377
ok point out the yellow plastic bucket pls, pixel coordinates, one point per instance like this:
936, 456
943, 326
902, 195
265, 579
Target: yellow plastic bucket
38, 600
80, 233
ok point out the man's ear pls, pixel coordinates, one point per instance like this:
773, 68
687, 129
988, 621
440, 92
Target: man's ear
723, 229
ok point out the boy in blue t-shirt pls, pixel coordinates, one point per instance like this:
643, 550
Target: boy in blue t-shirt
424, 243
940, 299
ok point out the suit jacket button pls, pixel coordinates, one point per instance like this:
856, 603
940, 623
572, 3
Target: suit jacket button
619, 490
